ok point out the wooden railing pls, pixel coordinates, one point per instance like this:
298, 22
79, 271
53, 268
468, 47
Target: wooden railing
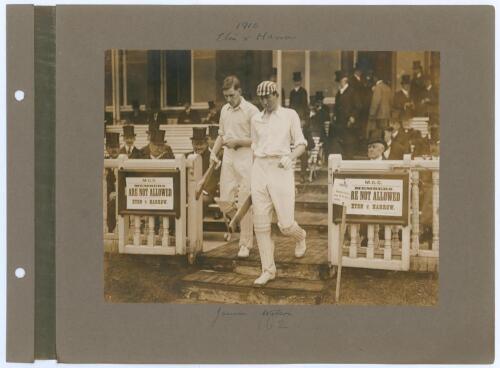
151, 234
383, 247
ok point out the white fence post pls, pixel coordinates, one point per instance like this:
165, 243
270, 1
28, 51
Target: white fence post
195, 207
415, 215
435, 211
180, 223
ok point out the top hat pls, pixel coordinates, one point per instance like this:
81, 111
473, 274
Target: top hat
377, 139
199, 134
339, 75
153, 125
157, 136
417, 64
113, 140
211, 104
128, 131
213, 131
319, 96
297, 76
405, 79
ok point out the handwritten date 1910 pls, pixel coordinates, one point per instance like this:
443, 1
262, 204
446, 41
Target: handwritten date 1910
246, 25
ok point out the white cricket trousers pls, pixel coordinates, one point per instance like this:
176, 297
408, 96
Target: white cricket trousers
235, 186
273, 187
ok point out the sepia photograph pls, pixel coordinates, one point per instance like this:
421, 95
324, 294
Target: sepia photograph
278, 177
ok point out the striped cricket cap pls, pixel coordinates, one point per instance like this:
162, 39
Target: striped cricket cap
266, 88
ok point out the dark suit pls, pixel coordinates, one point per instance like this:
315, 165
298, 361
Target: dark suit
400, 145
364, 94
430, 105
402, 104
298, 102
347, 105
136, 153
213, 118
189, 118
137, 117
156, 116
167, 153
111, 204
417, 91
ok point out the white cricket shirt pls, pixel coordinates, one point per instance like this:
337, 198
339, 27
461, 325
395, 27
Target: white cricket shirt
234, 123
274, 133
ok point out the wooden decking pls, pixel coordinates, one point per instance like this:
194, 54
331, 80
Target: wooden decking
316, 254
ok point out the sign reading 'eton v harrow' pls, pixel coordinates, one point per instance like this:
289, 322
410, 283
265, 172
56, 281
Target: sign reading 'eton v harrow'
373, 198
150, 193
380, 197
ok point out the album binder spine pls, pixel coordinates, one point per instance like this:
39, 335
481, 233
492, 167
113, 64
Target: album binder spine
30, 183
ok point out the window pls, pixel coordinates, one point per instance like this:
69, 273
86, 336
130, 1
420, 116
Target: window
323, 65
204, 76
135, 74
176, 73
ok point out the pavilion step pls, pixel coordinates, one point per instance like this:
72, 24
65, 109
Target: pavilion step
313, 266
242, 266
311, 220
229, 287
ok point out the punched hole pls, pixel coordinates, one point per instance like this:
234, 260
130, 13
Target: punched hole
20, 272
19, 95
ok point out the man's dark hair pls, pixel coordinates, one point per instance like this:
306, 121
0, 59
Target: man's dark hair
231, 81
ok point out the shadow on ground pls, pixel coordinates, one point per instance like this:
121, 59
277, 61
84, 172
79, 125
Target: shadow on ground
155, 279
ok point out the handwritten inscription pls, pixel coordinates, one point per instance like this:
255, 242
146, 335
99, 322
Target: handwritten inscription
225, 314
250, 31
275, 318
267, 319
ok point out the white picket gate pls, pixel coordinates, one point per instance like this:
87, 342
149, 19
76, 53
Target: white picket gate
136, 234
387, 251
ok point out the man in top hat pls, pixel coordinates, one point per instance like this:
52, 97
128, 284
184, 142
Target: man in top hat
199, 140
380, 106
397, 141
298, 96
113, 151
213, 116
376, 146
188, 115
347, 124
152, 126
158, 149
129, 148
274, 131
234, 136
402, 102
359, 84
155, 114
320, 122
417, 86
429, 103
137, 116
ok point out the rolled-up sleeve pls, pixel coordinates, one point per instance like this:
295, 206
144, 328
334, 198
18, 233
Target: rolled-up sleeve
296, 130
